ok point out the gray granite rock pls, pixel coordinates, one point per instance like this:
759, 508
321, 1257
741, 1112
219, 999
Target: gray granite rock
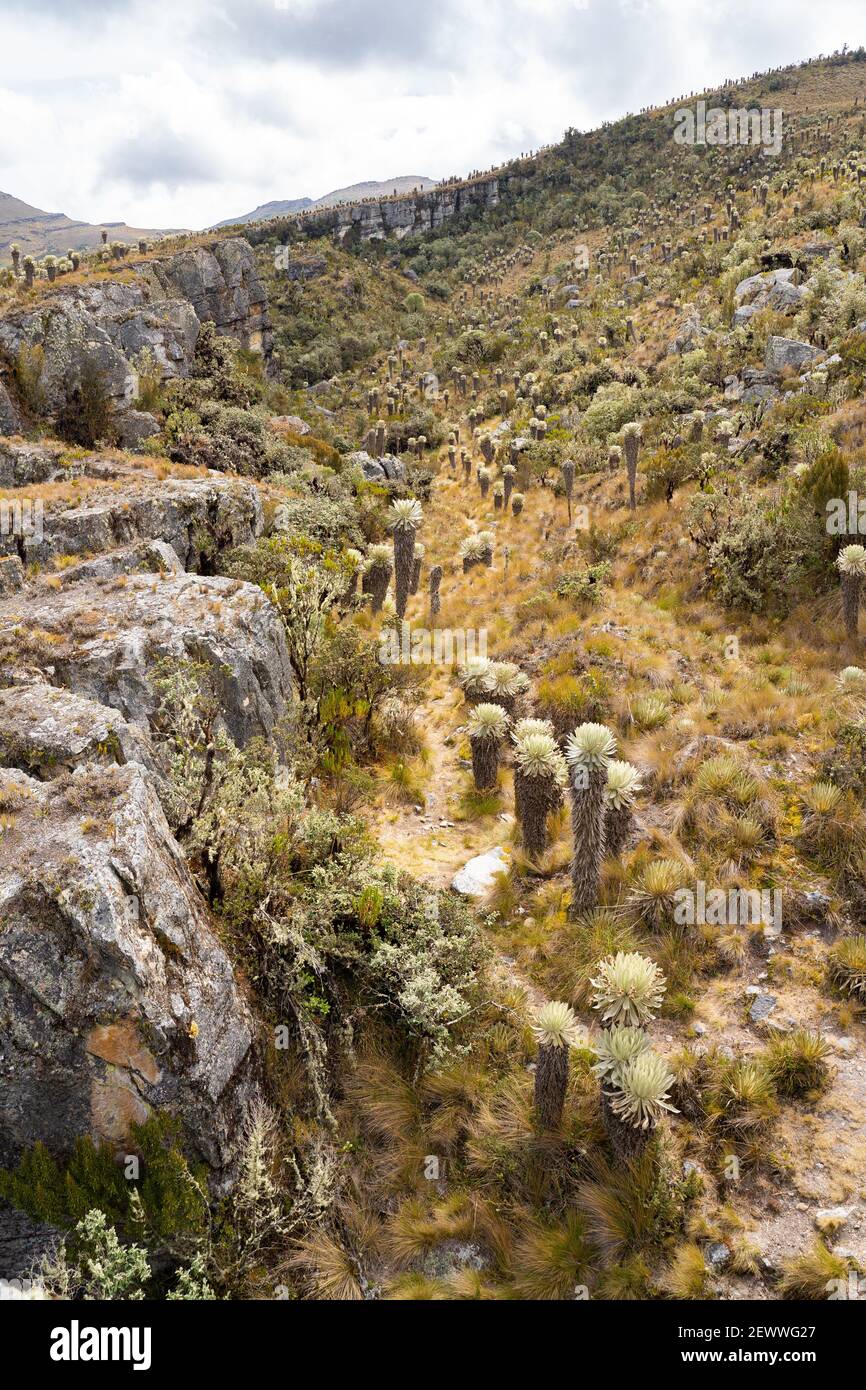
104, 640
116, 996
46, 731
782, 354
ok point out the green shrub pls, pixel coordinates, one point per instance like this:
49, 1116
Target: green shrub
797, 1063
586, 586
568, 701
86, 416
170, 1196
770, 556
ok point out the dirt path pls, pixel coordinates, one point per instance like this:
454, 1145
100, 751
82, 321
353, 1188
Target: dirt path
428, 836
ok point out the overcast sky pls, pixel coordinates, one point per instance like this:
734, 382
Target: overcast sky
181, 114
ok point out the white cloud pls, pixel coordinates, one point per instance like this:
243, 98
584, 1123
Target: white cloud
183, 115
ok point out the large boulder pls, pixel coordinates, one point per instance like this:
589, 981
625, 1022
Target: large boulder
135, 427
154, 557
116, 998
11, 575
23, 464
690, 334
478, 875
787, 354
104, 640
387, 469
780, 290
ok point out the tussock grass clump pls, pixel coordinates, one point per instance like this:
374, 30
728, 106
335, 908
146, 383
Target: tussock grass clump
723, 790
846, 965
797, 1063
686, 1276
631, 1207
579, 947
333, 1260
740, 1097
417, 1227
834, 826
813, 1275
653, 899
548, 1261
569, 700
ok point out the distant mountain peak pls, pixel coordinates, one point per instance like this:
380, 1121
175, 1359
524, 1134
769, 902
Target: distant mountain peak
41, 233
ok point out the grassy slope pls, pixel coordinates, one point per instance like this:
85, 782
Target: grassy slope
774, 707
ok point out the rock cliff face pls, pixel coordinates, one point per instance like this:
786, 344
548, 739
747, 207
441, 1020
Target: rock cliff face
116, 998
158, 305
115, 995
418, 212
46, 731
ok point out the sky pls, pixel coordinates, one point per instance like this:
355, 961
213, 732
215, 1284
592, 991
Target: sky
181, 115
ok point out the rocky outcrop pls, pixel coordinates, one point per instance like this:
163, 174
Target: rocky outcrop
23, 1244
103, 641
24, 465
751, 386
154, 557
378, 218
11, 418
690, 334
11, 575
388, 468
195, 516
781, 290
158, 307
222, 284
115, 996
46, 731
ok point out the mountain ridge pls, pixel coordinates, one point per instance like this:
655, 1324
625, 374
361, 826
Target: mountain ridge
352, 193
40, 233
